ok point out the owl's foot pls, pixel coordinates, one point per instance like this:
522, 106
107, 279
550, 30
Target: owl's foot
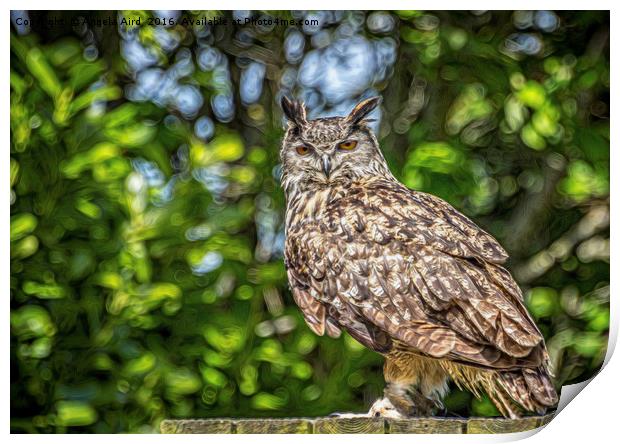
385, 409
399, 403
427, 406
410, 403
382, 408
399, 398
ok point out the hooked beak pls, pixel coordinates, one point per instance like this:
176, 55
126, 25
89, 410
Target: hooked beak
327, 165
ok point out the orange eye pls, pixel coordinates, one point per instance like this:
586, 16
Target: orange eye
302, 150
348, 145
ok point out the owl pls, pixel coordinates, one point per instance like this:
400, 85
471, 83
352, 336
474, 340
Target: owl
403, 273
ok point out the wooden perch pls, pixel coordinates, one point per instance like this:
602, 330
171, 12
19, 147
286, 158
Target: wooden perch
354, 425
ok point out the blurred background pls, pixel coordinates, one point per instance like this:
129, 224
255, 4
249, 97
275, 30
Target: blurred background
147, 279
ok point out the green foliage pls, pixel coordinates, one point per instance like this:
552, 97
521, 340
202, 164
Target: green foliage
135, 298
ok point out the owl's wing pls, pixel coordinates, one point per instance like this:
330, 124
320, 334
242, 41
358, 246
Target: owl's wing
440, 305
427, 219
315, 314
324, 318
413, 267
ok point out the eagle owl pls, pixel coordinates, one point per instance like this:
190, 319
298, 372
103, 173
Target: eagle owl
403, 273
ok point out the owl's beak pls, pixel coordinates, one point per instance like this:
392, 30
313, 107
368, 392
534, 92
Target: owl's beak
327, 165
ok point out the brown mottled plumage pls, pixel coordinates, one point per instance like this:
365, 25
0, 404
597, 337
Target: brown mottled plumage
403, 273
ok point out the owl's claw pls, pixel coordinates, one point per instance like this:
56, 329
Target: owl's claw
382, 408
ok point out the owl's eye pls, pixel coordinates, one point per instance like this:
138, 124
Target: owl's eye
302, 150
347, 145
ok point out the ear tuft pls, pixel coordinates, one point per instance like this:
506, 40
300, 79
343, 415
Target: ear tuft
294, 111
362, 109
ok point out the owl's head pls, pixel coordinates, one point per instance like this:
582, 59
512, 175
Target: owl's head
322, 152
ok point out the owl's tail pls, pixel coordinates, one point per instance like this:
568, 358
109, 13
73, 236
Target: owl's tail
529, 388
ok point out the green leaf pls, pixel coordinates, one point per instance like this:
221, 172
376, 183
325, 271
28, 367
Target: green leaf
131, 136
225, 148
182, 382
214, 377
83, 74
532, 139
542, 301
141, 365
32, 321
267, 401
97, 154
590, 344
44, 291
439, 157
25, 247
532, 94
43, 72
75, 413
22, 225
104, 94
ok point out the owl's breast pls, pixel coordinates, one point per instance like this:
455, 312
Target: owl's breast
319, 206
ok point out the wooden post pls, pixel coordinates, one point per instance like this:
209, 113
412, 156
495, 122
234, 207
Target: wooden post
354, 425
